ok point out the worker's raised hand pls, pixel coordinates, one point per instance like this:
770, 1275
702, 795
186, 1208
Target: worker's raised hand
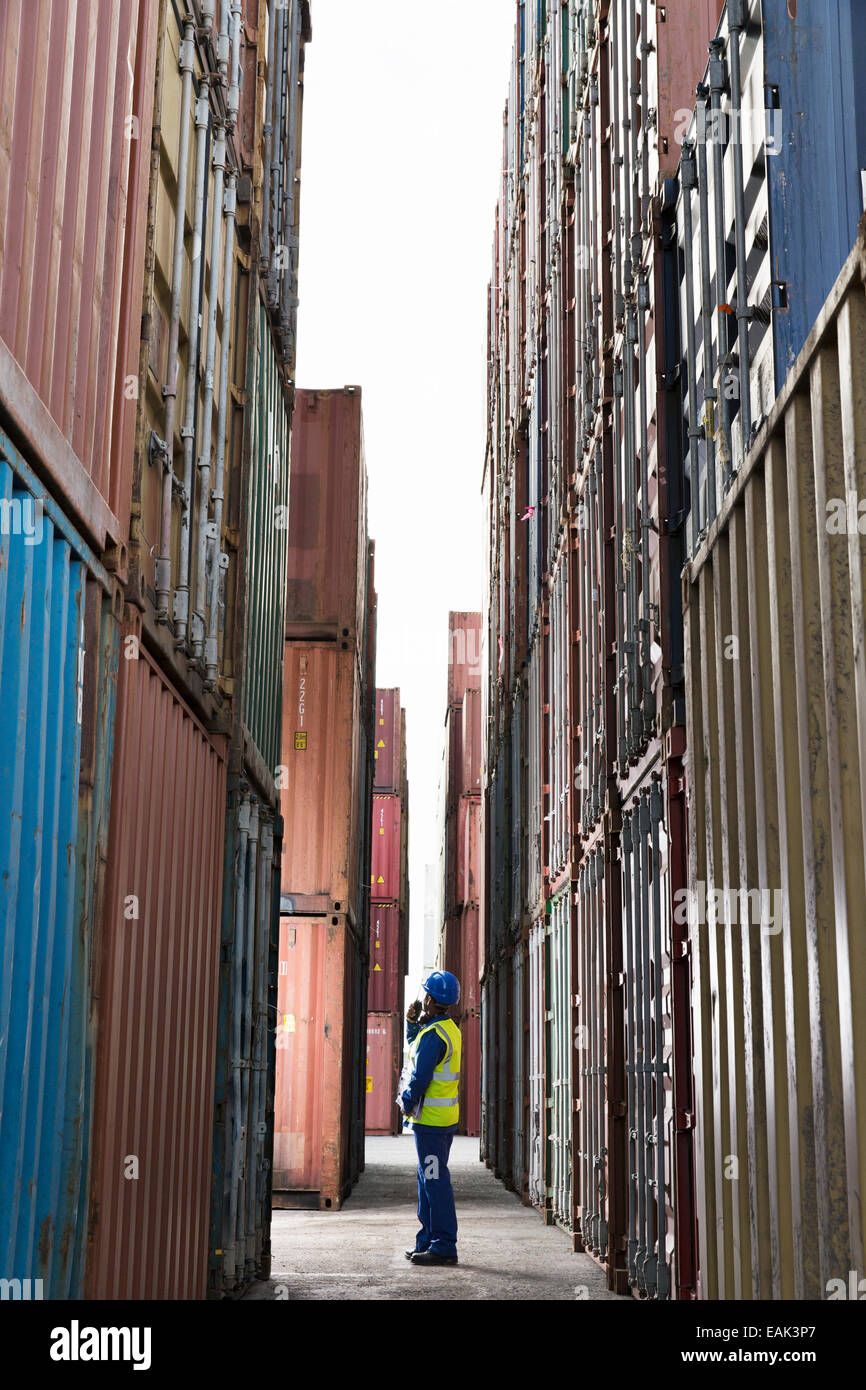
413, 1011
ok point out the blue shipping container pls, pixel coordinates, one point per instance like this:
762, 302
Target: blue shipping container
58, 669
816, 172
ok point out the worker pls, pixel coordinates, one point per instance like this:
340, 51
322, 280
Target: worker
431, 1099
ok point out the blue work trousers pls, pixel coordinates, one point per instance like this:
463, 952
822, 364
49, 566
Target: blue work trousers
436, 1212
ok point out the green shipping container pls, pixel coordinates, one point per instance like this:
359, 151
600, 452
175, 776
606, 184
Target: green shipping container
266, 529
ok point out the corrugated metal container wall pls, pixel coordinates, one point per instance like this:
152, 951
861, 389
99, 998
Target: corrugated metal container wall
559, 1051
244, 1092
192, 441
266, 547
558, 751
519, 1089
777, 695
470, 776
320, 799
817, 157
320, 1035
385, 987
58, 671
470, 1080
536, 1136
388, 741
156, 987
386, 878
75, 127
464, 655
384, 1050
328, 518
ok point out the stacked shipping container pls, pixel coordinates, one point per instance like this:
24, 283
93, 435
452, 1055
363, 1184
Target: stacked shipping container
622, 367
146, 381
459, 834
389, 915
327, 800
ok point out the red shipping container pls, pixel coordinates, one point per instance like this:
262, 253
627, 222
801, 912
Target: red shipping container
321, 797
156, 985
384, 1061
326, 591
463, 867
464, 655
470, 772
388, 742
386, 862
319, 1039
74, 173
386, 984
470, 1074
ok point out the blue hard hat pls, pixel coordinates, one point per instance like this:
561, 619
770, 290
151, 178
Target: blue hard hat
442, 986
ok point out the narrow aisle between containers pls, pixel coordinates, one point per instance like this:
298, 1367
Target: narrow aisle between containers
506, 1251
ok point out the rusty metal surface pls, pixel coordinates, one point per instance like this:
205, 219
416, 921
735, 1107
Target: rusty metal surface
384, 1055
156, 990
777, 704
327, 583
320, 1037
388, 742
464, 655
386, 864
385, 986
75, 120
320, 799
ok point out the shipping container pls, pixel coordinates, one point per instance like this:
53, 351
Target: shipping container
75, 123
389, 742
775, 896
536, 1127
470, 777
384, 1061
386, 984
326, 599
386, 863
464, 655
156, 994
245, 1060
59, 632
320, 1035
321, 791
520, 1075
266, 510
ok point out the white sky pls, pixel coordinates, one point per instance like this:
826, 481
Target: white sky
402, 147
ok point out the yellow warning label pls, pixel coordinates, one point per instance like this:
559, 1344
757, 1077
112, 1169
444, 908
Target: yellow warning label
381, 743
369, 1084
376, 967
301, 741
378, 944
381, 721
381, 831
380, 879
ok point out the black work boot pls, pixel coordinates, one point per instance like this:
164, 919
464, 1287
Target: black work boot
410, 1254
427, 1257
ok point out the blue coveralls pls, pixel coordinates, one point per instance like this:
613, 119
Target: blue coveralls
436, 1211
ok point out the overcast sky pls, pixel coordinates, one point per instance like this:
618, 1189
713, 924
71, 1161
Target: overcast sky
402, 148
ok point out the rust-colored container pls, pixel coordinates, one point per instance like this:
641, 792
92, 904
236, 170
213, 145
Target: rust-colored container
327, 585
386, 877
320, 1037
156, 989
385, 988
470, 771
464, 655
77, 84
463, 865
470, 1080
384, 1054
320, 797
389, 742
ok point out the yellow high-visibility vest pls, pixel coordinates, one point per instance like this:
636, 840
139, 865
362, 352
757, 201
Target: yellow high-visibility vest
441, 1105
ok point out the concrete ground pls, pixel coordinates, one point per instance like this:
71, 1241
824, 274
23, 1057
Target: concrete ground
505, 1249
